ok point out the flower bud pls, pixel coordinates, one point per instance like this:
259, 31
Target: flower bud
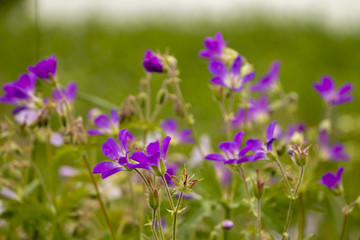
141, 98
161, 96
227, 224
214, 235
258, 186
299, 155
154, 200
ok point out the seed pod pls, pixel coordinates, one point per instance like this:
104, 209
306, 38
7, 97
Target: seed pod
161, 96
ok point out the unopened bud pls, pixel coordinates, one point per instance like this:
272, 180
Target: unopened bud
154, 200
161, 96
141, 98
214, 235
227, 224
271, 156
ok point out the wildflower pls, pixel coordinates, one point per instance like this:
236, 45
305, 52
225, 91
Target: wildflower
233, 79
232, 150
152, 62
327, 90
171, 129
56, 139
299, 154
20, 91
227, 224
154, 159
261, 150
27, 117
267, 82
258, 111
64, 96
335, 152
197, 152
258, 186
214, 47
67, 171
106, 124
45, 69
331, 180
118, 155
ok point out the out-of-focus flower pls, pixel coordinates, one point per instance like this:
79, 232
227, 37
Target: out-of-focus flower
108, 125
196, 155
268, 81
67, 171
27, 116
9, 194
92, 114
214, 47
56, 139
171, 129
233, 79
154, 159
69, 93
331, 180
227, 224
45, 69
327, 90
258, 111
118, 155
260, 149
335, 152
20, 91
232, 150
152, 62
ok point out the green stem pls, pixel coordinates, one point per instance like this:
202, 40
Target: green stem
259, 216
143, 178
301, 218
243, 177
175, 215
153, 224
160, 225
344, 225
284, 177
168, 193
102, 206
293, 198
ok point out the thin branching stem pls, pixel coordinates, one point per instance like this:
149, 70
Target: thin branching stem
175, 215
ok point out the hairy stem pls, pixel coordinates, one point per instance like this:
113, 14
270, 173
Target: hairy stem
101, 203
160, 225
284, 177
175, 215
168, 193
153, 224
259, 216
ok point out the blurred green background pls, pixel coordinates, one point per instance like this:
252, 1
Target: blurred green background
105, 60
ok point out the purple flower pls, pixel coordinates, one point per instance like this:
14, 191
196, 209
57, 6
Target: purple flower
106, 124
327, 90
267, 82
331, 180
45, 69
171, 129
214, 47
258, 111
20, 91
232, 150
69, 93
258, 147
154, 159
27, 116
64, 95
56, 139
118, 155
227, 224
335, 152
152, 62
230, 79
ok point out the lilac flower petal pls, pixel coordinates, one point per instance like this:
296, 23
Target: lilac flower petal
323, 139
218, 68
218, 81
111, 150
106, 174
145, 166
153, 148
339, 174
105, 166
325, 86
255, 144
71, 91
270, 131
248, 77
56, 139
205, 53
102, 121
139, 157
19, 109
229, 148
154, 159
114, 117
94, 132
169, 126
185, 136
152, 63
123, 139
215, 157
269, 144
236, 66
337, 153
238, 138
164, 147
257, 156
